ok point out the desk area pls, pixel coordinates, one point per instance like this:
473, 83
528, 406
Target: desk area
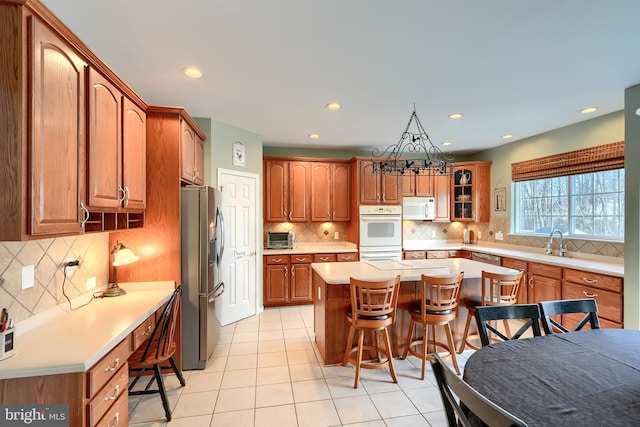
73, 357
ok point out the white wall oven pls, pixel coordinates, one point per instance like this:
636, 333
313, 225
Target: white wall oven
380, 233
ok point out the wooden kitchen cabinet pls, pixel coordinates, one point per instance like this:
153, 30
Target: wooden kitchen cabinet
287, 279
330, 190
377, 189
545, 282
441, 192
470, 192
287, 191
134, 155
417, 185
191, 154
300, 280
606, 290
415, 255
523, 290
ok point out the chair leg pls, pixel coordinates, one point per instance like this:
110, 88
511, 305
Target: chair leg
359, 357
136, 379
177, 371
387, 344
162, 391
466, 333
425, 343
506, 327
374, 343
452, 348
347, 352
412, 325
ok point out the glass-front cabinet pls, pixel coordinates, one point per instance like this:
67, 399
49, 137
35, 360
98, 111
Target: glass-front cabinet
470, 192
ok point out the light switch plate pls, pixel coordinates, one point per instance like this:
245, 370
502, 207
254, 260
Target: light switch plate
336, 235
28, 276
91, 283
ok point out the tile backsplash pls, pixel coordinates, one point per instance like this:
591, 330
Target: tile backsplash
48, 256
311, 231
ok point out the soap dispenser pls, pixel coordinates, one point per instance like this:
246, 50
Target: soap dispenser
547, 249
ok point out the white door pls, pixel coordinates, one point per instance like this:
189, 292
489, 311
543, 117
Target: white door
239, 261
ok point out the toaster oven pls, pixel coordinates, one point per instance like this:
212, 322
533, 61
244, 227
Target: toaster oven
279, 240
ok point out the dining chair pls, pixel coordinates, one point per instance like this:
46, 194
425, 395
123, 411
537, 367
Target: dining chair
456, 393
571, 306
373, 308
437, 306
496, 289
158, 349
486, 314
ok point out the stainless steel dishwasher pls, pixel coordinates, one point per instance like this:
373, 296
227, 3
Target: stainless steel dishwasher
486, 258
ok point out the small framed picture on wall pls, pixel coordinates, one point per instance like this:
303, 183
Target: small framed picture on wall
500, 195
238, 154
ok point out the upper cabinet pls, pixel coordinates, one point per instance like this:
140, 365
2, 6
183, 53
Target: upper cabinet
417, 185
330, 184
61, 123
470, 192
287, 191
191, 154
134, 159
376, 188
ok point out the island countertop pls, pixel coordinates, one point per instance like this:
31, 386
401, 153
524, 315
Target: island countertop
339, 273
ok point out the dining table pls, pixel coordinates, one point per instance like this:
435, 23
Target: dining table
583, 378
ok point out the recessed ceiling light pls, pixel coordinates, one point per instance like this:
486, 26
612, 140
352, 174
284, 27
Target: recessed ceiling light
455, 115
192, 72
507, 136
588, 110
314, 136
446, 143
333, 106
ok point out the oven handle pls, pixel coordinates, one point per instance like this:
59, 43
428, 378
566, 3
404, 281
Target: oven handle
386, 218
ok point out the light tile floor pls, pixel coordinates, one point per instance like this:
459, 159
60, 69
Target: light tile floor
266, 371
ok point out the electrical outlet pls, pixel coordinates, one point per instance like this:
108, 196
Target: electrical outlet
91, 283
70, 269
336, 235
479, 235
433, 233
499, 235
28, 276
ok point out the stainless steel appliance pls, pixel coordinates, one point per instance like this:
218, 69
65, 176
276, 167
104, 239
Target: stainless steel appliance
419, 208
486, 258
279, 240
380, 233
202, 245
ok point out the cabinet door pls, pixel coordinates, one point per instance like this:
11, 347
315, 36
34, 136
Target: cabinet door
134, 169
462, 193
341, 191
321, 209
517, 264
424, 185
369, 184
105, 142
276, 284
544, 288
390, 189
408, 184
299, 191
301, 283
198, 161
441, 190
58, 138
276, 190
187, 152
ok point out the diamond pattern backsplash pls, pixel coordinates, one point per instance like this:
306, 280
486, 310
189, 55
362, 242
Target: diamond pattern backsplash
48, 256
311, 231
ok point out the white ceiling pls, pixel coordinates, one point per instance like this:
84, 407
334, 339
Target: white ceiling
270, 66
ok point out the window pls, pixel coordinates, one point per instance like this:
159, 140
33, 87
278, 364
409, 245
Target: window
582, 205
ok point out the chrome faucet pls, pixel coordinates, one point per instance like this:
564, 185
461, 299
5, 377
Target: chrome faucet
562, 250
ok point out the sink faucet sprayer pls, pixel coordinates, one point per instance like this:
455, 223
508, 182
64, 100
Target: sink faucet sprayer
549, 247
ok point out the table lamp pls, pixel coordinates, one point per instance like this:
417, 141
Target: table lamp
121, 256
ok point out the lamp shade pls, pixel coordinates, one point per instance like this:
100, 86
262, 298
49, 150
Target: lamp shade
123, 256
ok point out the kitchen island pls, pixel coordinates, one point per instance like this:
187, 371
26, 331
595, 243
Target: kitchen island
332, 300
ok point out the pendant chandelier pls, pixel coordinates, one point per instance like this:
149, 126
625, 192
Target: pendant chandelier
414, 153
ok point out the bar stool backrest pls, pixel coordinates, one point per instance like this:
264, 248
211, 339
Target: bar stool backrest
374, 300
500, 289
440, 293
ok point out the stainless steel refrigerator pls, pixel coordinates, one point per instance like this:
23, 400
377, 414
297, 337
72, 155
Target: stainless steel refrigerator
202, 245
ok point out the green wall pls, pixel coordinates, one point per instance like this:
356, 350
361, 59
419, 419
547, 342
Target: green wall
313, 152
632, 209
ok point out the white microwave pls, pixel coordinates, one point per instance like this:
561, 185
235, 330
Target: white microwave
419, 208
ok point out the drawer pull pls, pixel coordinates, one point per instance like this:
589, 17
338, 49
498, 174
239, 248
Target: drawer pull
324, 259
346, 258
531, 282
114, 395
300, 259
147, 331
116, 420
277, 260
114, 366
587, 280
588, 295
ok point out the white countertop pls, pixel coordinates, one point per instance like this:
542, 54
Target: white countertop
74, 341
338, 273
585, 262
315, 248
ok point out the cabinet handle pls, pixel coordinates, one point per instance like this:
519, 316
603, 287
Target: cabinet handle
86, 214
284, 215
114, 395
124, 194
286, 271
531, 282
293, 270
147, 331
588, 295
334, 215
195, 172
323, 259
587, 280
300, 259
116, 418
114, 366
346, 258
289, 215
277, 260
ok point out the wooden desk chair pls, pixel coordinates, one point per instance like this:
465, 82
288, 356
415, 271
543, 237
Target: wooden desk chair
487, 313
158, 350
437, 306
497, 289
373, 308
452, 389
572, 306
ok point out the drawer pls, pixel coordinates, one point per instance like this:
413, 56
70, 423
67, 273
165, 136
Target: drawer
102, 371
118, 415
324, 258
415, 255
277, 259
594, 280
460, 254
516, 264
302, 259
346, 257
115, 388
437, 254
545, 270
142, 332
609, 303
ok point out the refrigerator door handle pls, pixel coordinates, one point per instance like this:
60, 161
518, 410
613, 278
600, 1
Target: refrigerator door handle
219, 290
220, 220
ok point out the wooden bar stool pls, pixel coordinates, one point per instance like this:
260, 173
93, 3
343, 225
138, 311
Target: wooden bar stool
437, 306
373, 308
497, 289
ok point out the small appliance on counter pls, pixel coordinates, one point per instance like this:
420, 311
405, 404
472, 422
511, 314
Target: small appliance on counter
279, 240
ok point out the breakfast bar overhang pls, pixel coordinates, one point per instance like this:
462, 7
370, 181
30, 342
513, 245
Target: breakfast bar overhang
332, 300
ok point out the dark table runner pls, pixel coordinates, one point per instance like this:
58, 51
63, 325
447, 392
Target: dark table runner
587, 378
